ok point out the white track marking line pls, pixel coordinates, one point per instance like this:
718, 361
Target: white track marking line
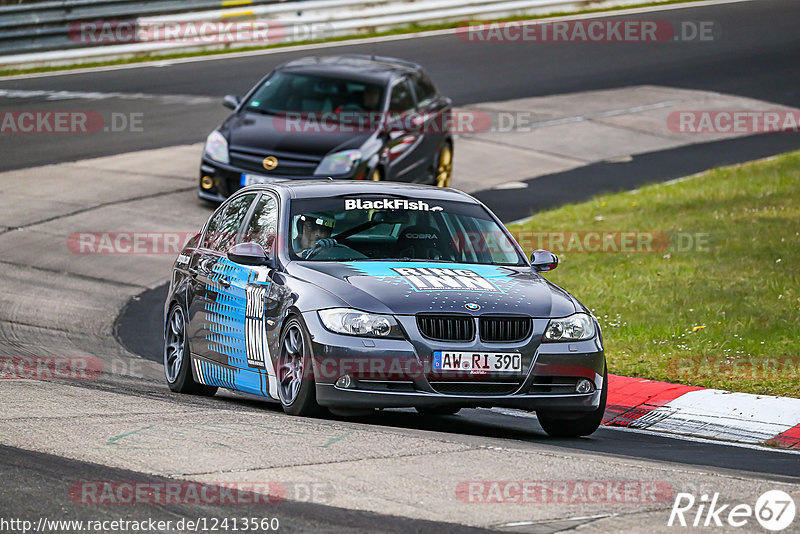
93, 95
530, 415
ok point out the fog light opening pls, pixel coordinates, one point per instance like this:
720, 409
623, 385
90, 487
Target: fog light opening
207, 182
344, 382
584, 386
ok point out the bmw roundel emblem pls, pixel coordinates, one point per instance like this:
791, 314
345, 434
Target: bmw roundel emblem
472, 306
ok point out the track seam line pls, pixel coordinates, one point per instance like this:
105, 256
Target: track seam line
551, 154
77, 165
97, 206
85, 277
339, 462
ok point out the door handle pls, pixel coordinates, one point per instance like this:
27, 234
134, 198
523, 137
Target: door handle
224, 282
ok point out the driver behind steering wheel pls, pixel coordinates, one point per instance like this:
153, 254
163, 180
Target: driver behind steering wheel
313, 234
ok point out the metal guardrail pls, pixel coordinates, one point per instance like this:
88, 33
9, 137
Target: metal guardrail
45, 25
43, 38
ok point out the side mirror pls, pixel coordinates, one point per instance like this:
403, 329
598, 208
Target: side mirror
249, 254
543, 261
231, 101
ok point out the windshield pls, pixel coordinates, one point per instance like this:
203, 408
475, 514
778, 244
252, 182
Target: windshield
380, 227
286, 92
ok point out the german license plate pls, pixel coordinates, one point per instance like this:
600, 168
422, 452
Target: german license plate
250, 179
477, 362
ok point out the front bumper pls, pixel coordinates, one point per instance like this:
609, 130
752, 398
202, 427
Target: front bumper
218, 181
387, 373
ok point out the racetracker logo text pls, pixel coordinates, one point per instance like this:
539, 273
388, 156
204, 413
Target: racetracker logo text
50, 368
590, 31
563, 491
177, 493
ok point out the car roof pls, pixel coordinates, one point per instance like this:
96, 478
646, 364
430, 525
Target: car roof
353, 66
299, 189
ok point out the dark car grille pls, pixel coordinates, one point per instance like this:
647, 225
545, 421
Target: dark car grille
475, 388
288, 164
446, 327
504, 329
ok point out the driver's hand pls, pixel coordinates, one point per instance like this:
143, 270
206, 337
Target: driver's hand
325, 243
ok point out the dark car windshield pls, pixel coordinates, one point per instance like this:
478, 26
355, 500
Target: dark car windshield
287, 92
380, 227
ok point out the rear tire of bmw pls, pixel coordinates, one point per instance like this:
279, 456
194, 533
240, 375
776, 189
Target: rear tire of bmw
177, 356
296, 387
572, 424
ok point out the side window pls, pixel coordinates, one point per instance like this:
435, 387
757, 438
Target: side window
223, 234
402, 100
424, 89
264, 223
213, 228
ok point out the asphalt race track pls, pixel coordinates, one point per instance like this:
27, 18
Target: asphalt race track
394, 471
756, 56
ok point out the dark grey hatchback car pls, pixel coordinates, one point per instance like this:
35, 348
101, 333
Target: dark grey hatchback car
349, 117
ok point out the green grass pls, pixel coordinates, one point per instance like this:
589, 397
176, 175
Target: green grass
725, 316
411, 28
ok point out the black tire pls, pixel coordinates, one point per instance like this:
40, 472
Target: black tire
178, 359
575, 424
437, 410
295, 374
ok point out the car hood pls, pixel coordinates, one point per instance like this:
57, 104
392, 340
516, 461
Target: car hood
408, 288
256, 132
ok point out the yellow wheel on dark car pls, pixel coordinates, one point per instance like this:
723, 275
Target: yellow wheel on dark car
445, 168
376, 175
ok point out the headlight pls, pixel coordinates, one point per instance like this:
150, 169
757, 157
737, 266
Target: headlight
359, 323
339, 163
217, 147
573, 328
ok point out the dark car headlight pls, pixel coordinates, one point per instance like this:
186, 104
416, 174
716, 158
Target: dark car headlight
577, 327
360, 323
338, 163
217, 147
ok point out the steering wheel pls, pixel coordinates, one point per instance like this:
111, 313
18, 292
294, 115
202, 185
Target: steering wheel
325, 244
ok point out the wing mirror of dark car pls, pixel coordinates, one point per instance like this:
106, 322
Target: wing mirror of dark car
231, 101
543, 261
249, 254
